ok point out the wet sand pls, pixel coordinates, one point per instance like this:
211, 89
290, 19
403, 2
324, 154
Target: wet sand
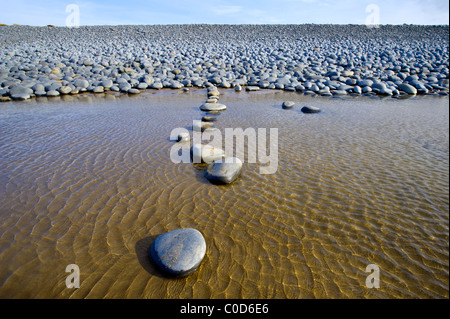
89, 181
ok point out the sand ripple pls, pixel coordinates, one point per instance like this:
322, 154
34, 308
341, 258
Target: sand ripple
91, 183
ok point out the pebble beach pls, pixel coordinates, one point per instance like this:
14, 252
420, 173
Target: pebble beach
322, 60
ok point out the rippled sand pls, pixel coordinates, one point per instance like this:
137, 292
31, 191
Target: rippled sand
88, 181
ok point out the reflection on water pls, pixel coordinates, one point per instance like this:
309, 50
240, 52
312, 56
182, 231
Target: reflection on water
89, 181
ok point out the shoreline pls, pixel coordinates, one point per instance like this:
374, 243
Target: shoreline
108, 94
325, 60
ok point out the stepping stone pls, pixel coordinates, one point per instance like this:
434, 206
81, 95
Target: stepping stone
178, 253
209, 118
310, 109
224, 171
288, 104
200, 126
212, 107
213, 93
206, 153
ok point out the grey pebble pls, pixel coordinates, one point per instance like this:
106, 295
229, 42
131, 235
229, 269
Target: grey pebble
178, 253
224, 171
310, 109
53, 93
287, 104
133, 91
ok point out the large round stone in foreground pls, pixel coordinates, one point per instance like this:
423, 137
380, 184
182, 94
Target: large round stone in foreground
224, 171
179, 253
212, 107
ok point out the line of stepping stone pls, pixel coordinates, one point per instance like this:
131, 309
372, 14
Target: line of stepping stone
180, 252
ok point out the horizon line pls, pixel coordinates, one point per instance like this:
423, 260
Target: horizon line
219, 24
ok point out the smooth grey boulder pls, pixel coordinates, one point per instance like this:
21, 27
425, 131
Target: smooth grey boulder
20, 96
40, 93
206, 153
379, 86
357, 89
365, 82
20, 90
176, 85
52, 93
179, 252
289, 88
124, 87
212, 107
407, 88
385, 91
156, 86
133, 91
142, 86
287, 104
252, 88
81, 83
339, 92
310, 109
65, 89
38, 87
224, 171
366, 89
107, 84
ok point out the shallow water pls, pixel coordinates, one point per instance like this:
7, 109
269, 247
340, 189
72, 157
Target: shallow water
89, 181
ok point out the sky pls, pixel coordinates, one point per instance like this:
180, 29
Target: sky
143, 12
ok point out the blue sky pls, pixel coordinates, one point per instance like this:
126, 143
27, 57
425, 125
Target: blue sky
118, 12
